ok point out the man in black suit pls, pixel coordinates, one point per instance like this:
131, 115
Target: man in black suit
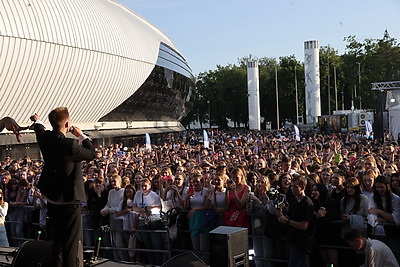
61, 182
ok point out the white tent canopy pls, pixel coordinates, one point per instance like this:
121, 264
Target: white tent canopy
394, 121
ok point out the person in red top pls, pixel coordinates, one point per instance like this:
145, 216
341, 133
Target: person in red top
237, 198
238, 190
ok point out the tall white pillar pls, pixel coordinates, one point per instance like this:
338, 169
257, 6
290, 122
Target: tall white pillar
311, 72
253, 90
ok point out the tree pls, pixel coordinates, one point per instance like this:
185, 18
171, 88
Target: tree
373, 60
328, 61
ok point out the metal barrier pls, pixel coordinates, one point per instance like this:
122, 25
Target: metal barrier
30, 229
395, 250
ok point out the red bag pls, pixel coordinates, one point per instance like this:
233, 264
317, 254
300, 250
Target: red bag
236, 218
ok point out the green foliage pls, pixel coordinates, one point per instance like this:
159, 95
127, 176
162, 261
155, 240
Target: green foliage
372, 60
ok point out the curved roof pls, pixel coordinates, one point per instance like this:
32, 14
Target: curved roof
103, 26
88, 55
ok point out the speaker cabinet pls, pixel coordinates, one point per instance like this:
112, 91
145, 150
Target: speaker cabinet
229, 246
187, 259
33, 253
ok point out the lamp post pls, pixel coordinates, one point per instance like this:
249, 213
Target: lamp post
297, 96
329, 89
359, 82
277, 98
209, 113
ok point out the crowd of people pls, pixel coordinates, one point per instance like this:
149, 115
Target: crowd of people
298, 198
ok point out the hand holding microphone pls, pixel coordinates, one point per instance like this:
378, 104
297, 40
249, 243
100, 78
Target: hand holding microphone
75, 131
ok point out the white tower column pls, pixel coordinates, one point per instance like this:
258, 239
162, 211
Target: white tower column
311, 72
253, 90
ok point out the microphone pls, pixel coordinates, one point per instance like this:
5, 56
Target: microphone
71, 130
97, 248
38, 235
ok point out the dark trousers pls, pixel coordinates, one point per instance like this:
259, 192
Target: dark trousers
152, 241
66, 222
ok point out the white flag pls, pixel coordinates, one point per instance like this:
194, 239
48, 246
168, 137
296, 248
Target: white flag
148, 142
206, 142
297, 131
368, 129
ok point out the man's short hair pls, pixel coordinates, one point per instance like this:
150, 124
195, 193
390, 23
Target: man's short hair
352, 234
57, 117
286, 158
302, 180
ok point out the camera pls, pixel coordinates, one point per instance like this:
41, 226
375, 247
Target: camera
277, 198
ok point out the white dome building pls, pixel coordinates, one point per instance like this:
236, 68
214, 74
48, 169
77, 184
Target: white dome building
113, 70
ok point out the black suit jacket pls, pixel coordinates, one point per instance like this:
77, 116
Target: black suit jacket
61, 179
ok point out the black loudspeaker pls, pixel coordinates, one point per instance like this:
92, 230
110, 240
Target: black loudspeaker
187, 259
32, 254
229, 246
107, 263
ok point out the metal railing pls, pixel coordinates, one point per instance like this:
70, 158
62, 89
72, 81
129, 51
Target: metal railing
30, 229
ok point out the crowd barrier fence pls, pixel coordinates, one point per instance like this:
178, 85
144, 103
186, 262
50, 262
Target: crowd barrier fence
32, 230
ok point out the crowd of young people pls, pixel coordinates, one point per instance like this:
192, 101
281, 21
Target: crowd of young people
296, 197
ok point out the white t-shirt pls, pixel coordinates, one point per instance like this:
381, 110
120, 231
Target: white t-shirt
171, 201
219, 197
3, 212
128, 218
379, 229
151, 200
363, 209
114, 197
197, 201
378, 254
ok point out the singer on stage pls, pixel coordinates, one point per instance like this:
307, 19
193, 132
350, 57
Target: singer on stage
61, 183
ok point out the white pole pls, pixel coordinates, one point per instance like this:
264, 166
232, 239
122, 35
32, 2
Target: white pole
277, 98
253, 95
336, 92
297, 96
329, 89
312, 80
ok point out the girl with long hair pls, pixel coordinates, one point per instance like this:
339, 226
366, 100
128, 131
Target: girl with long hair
285, 180
385, 206
130, 218
238, 190
262, 243
3, 214
195, 201
217, 196
367, 182
353, 201
324, 232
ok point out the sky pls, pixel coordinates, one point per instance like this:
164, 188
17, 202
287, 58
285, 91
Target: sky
219, 32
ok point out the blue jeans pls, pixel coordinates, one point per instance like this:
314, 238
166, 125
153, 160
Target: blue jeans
118, 240
262, 248
297, 257
3, 237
